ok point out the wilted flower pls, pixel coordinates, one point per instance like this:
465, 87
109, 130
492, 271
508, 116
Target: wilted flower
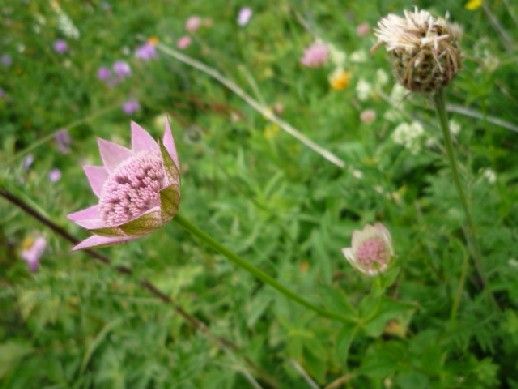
363, 29
121, 69
60, 46
6, 60
104, 73
339, 79
184, 42
371, 249
131, 106
138, 189
368, 116
193, 23
244, 16
54, 175
32, 250
63, 140
424, 50
146, 51
315, 55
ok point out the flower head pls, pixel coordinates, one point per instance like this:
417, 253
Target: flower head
244, 16
32, 250
104, 73
339, 79
363, 29
424, 50
63, 141
147, 51
60, 46
315, 55
138, 189
129, 107
368, 116
193, 23
371, 249
184, 42
54, 175
121, 69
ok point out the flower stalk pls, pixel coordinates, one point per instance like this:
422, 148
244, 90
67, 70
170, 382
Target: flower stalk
258, 273
469, 230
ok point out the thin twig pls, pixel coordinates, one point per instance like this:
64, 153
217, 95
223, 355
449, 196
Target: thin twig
312, 384
263, 110
194, 322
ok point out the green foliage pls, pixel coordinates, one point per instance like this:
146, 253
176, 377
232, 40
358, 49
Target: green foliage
76, 323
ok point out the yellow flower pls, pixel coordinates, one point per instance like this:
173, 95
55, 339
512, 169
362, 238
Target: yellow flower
340, 79
473, 4
153, 40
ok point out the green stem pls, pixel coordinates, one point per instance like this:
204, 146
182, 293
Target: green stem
469, 231
261, 275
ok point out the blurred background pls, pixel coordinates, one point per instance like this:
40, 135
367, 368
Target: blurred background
71, 71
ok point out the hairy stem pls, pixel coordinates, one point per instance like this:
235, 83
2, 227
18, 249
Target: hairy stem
258, 273
469, 230
194, 322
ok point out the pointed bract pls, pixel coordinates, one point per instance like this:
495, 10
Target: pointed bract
96, 241
169, 143
96, 176
112, 154
140, 139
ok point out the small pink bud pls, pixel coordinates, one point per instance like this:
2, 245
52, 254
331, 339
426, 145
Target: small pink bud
363, 29
184, 42
368, 116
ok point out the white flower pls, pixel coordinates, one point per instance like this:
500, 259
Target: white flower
409, 135
359, 56
381, 77
363, 89
454, 127
490, 175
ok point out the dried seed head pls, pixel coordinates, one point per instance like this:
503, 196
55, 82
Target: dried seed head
425, 50
132, 189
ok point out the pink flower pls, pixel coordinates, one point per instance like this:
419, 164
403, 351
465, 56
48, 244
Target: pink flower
244, 16
131, 106
193, 24
184, 42
363, 29
138, 189
368, 116
104, 73
54, 175
60, 46
32, 251
371, 249
315, 55
121, 69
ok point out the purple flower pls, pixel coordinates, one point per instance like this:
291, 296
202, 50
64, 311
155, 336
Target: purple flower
121, 69
138, 189
315, 55
54, 175
131, 106
6, 60
32, 250
60, 46
27, 162
244, 16
63, 140
103, 73
146, 52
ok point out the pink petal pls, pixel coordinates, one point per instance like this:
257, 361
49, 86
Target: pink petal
112, 154
97, 240
87, 213
140, 139
88, 218
169, 143
96, 176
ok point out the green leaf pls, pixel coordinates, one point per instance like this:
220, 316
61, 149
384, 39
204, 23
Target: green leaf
11, 353
143, 224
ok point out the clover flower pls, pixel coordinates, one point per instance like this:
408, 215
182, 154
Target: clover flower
138, 189
184, 42
32, 250
121, 69
147, 51
424, 50
315, 55
371, 249
193, 23
54, 175
244, 16
129, 107
104, 73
